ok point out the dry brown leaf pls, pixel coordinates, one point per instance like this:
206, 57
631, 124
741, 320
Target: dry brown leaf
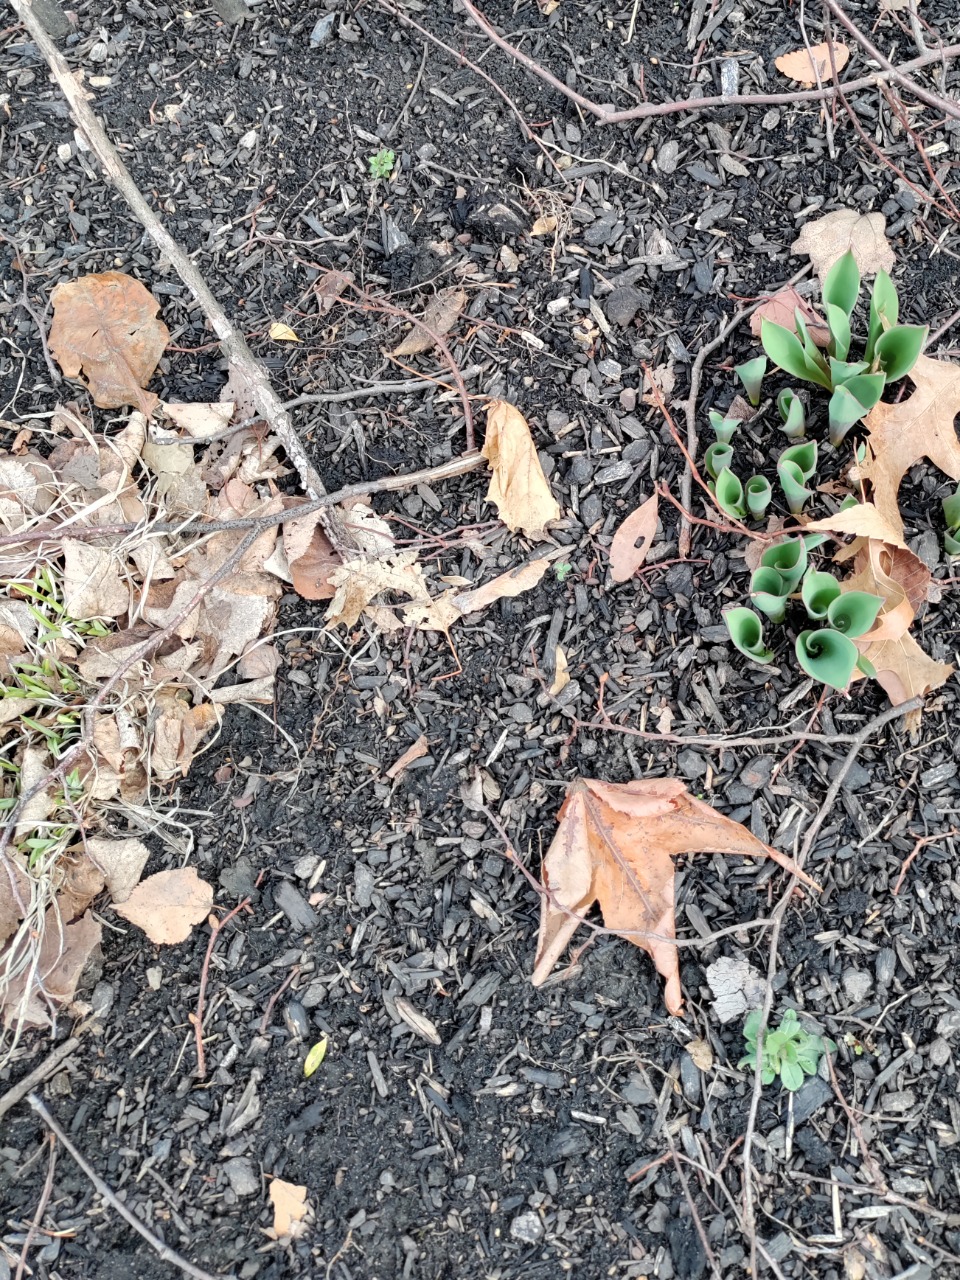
779, 308
329, 287
505, 586
414, 752
199, 421
78, 882
440, 316
289, 1209
92, 582
35, 764
310, 571
10, 916
121, 861
806, 66
518, 486
920, 426
828, 238
561, 673
359, 582
904, 670
545, 225
701, 1052
861, 521
614, 845
899, 577
167, 905
63, 956
658, 383
633, 540
106, 328
260, 662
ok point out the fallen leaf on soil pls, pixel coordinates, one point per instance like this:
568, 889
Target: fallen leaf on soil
518, 486
780, 308
701, 1053
561, 674
807, 66
261, 662
413, 752
310, 567
658, 383
633, 540
828, 238
167, 905
92, 585
899, 577
861, 521
9, 910
329, 287
282, 333
200, 420
289, 1209
545, 225
920, 426
358, 582
121, 861
505, 586
440, 316
63, 956
904, 671
78, 883
106, 328
34, 767
614, 845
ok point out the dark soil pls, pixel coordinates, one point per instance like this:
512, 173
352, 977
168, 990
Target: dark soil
534, 1139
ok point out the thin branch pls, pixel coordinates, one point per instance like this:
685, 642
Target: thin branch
163, 1251
606, 116
41, 1207
197, 1018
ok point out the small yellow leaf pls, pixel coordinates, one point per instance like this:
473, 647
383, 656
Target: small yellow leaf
282, 333
561, 675
315, 1057
544, 226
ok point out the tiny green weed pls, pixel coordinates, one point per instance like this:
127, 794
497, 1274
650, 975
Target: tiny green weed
789, 1052
382, 162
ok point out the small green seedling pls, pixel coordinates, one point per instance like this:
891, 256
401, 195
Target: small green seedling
561, 569
789, 1052
382, 162
951, 513
751, 374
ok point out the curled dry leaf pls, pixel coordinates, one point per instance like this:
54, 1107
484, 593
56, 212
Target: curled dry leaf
807, 66
828, 238
633, 540
780, 307
106, 329
414, 752
199, 421
505, 586
92, 583
121, 861
862, 521
439, 317
282, 333
64, 953
311, 558
614, 845
919, 426
561, 673
518, 486
166, 906
289, 1209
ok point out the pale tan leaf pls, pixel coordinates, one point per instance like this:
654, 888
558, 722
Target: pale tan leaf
919, 426
282, 333
900, 578
328, 287
359, 582
200, 420
658, 384
439, 317
561, 673
9, 909
13, 708
614, 845
92, 582
633, 540
806, 66
518, 486
702, 1054
261, 689
121, 861
179, 480
78, 882
260, 662
828, 238
35, 765
166, 906
545, 225
105, 329
862, 521
417, 1021
64, 953
779, 308
904, 670
505, 586
414, 752
310, 571
289, 1209
438, 614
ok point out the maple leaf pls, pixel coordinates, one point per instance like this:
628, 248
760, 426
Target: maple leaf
920, 426
105, 327
518, 486
828, 238
614, 845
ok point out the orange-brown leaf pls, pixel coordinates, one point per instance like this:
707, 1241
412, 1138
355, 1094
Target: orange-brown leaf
806, 66
633, 540
106, 329
614, 845
779, 308
517, 486
920, 426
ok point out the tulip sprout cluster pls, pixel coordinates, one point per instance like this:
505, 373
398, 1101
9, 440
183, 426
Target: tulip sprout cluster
825, 649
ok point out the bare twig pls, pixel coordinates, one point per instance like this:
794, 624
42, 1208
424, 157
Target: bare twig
41, 1207
779, 913
31, 309
162, 1250
197, 1018
37, 1076
606, 116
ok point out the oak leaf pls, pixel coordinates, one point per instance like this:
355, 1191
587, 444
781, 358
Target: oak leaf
633, 540
807, 66
920, 426
518, 486
614, 845
828, 238
106, 329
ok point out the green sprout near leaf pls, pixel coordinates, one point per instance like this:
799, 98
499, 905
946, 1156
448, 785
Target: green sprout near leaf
751, 374
382, 162
728, 492
562, 569
791, 411
759, 493
723, 428
746, 632
827, 656
717, 456
769, 593
789, 1051
951, 514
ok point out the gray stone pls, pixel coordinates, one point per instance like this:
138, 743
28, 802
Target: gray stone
809, 1098
323, 30
243, 1178
691, 765
667, 157
527, 1227
622, 305
363, 882
939, 1052
857, 985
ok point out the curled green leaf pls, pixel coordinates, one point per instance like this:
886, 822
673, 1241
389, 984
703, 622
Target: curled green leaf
746, 632
728, 492
827, 656
791, 482
854, 612
789, 558
751, 374
818, 592
792, 414
951, 511
717, 457
804, 456
768, 593
838, 322
723, 428
884, 311
759, 493
841, 288
786, 351
897, 350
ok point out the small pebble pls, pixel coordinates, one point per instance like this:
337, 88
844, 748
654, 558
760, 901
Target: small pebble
885, 965
939, 1052
557, 306
243, 1178
622, 305
628, 399
323, 30
527, 1227
857, 985
296, 1019
667, 157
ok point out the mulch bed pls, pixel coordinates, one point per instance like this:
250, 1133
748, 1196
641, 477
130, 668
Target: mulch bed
529, 1141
